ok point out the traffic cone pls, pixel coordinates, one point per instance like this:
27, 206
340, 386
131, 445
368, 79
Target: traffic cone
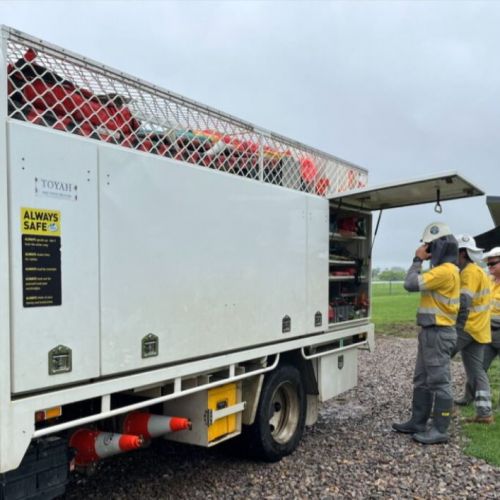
92, 445
150, 426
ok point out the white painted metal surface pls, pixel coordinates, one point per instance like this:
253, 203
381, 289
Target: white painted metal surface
206, 262
317, 263
40, 163
7, 426
337, 373
431, 188
493, 203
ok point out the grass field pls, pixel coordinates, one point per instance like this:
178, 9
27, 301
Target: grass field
394, 309
484, 440
393, 312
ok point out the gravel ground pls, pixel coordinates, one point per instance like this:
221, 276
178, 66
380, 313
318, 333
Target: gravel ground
350, 453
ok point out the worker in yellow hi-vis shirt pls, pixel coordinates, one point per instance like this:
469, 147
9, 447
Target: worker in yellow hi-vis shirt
492, 350
473, 325
436, 315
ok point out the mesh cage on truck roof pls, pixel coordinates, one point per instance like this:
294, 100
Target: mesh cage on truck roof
52, 87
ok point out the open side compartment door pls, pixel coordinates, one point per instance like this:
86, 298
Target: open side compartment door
493, 203
436, 188
491, 238
349, 275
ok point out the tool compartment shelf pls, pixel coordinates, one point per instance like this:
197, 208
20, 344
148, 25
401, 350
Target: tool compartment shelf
348, 264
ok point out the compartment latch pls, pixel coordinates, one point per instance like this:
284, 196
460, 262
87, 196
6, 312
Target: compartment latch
318, 319
150, 346
60, 360
286, 324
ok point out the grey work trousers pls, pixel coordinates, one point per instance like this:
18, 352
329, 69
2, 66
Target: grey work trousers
492, 350
432, 368
472, 357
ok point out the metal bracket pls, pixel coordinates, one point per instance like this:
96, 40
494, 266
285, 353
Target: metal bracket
332, 351
437, 207
210, 416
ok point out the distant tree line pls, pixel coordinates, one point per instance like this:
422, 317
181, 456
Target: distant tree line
388, 274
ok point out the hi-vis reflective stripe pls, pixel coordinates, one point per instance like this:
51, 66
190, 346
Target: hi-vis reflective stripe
484, 307
441, 298
92, 445
483, 394
475, 295
149, 425
435, 310
478, 403
421, 284
495, 304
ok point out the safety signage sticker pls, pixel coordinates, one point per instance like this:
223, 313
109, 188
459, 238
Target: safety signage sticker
41, 249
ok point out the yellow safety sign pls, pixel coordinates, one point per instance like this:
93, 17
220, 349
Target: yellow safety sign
38, 221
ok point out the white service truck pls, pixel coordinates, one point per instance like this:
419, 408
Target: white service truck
167, 270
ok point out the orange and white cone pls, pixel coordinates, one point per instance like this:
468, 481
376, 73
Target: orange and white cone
150, 426
92, 445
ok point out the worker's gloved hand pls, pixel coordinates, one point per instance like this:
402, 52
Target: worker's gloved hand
422, 252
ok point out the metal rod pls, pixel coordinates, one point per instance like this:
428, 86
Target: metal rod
332, 351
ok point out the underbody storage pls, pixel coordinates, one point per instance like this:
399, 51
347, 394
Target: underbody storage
167, 269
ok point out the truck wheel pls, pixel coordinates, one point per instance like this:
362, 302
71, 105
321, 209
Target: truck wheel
280, 418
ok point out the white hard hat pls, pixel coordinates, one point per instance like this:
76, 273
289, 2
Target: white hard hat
494, 252
434, 231
469, 243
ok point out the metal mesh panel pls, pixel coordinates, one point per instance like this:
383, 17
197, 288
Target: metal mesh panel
50, 87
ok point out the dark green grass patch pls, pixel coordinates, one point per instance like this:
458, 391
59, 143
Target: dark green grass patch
483, 441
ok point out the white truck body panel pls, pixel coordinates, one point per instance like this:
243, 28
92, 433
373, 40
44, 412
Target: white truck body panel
38, 159
207, 262
212, 271
337, 373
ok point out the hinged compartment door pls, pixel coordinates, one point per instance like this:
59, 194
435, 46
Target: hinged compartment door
350, 235
317, 264
194, 262
436, 188
54, 259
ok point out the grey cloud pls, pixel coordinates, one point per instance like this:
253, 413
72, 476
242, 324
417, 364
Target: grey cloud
402, 88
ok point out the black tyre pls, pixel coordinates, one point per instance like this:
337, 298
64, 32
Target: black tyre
281, 414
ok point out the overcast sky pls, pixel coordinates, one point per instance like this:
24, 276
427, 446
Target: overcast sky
404, 89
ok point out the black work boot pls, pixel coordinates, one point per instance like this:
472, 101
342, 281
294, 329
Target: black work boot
440, 423
421, 410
